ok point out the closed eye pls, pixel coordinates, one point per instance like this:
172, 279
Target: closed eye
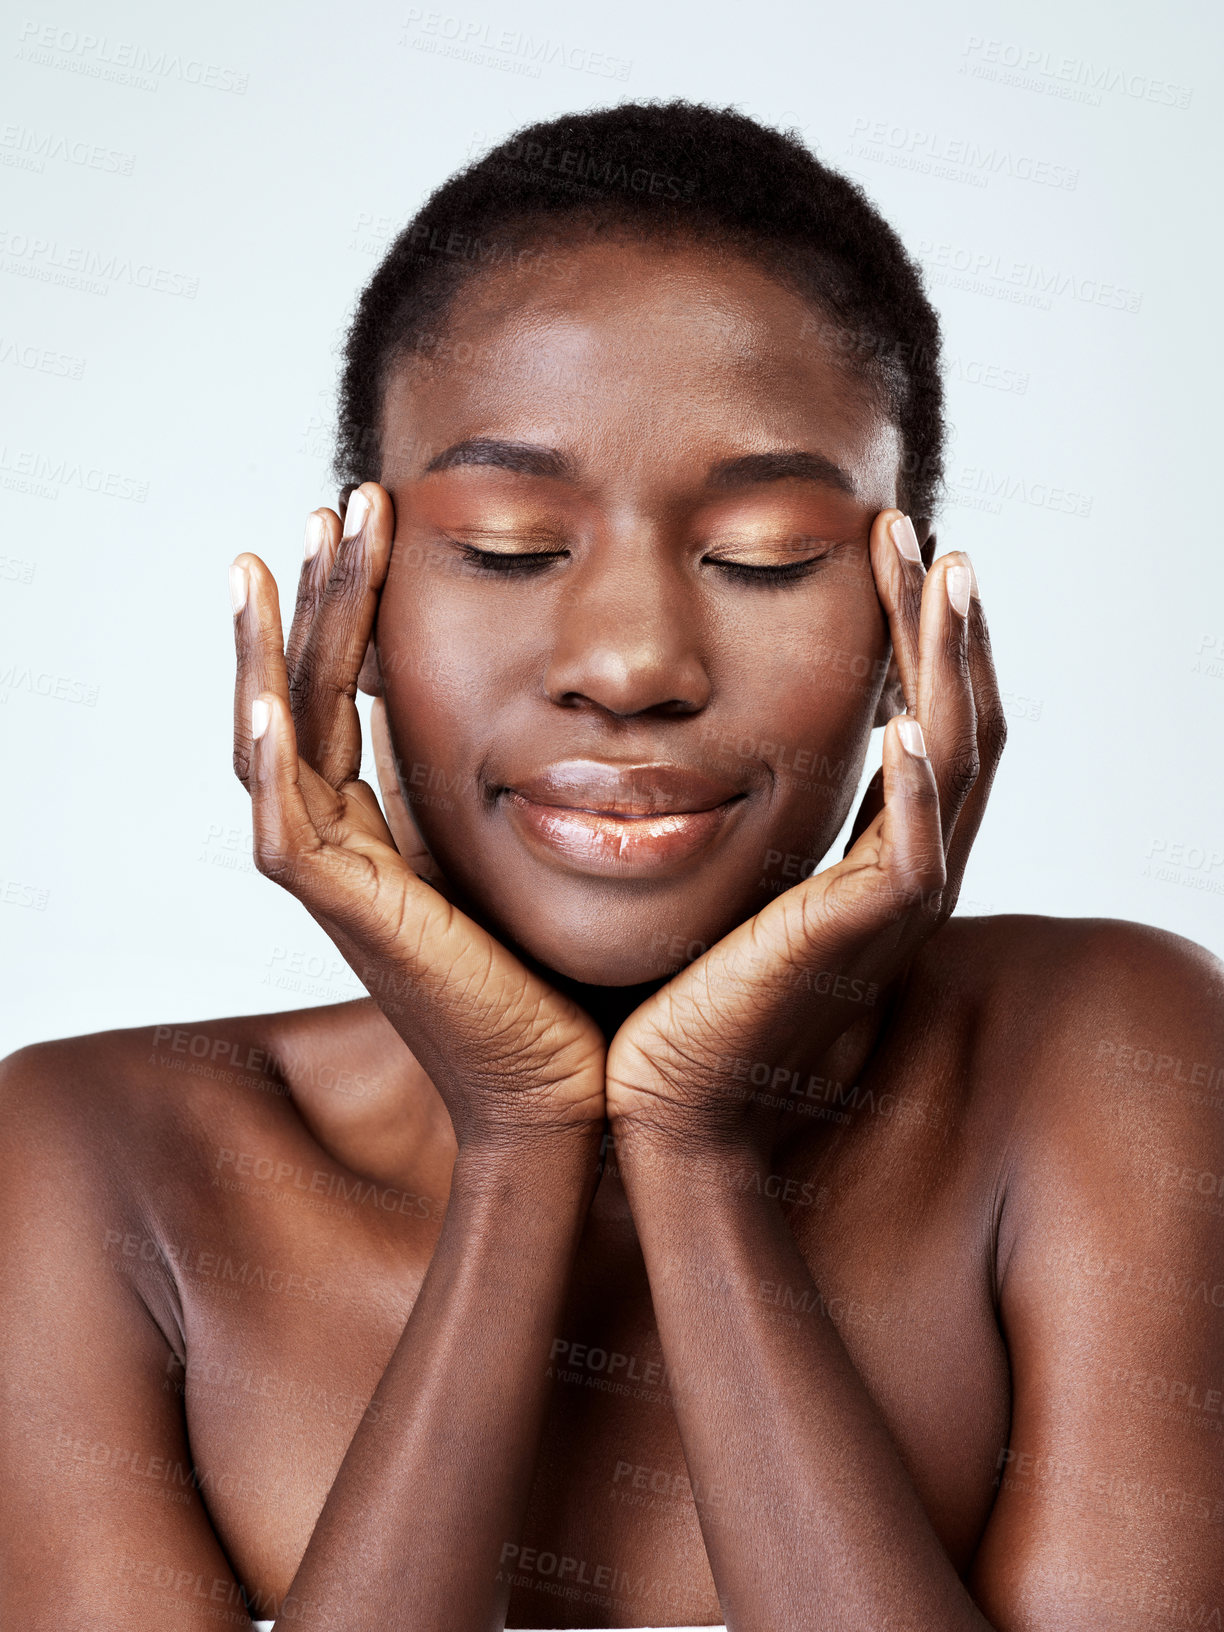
759, 573
507, 561
786, 573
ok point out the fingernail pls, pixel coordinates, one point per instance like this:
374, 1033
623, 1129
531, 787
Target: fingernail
905, 538
911, 736
314, 535
239, 584
355, 513
261, 713
974, 590
959, 581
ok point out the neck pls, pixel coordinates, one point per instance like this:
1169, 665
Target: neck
608, 1006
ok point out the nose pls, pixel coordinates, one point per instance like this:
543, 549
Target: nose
629, 634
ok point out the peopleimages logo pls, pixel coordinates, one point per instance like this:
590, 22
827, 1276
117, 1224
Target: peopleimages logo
991, 486
1025, 283
954, 158
1077, 79
23, 147
78, 266
27, 470
126, 62
475, 40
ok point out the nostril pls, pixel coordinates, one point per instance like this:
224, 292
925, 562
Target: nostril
649, 681
669, 708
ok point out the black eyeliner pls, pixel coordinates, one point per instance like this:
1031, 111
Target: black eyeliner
495, 561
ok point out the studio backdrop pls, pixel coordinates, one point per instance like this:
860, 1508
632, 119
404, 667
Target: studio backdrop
194, 197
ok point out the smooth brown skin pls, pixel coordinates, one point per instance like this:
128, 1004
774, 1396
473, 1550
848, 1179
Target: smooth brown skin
917, 1333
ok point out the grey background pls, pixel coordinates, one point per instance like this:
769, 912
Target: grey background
193, 199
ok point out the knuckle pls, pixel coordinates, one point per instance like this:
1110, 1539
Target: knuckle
979, 628
308, 591
924, 865
348, 571
275, 863
267, 648
303, 622
920, 882
924, 794
245, 662
934, 869
992, 733
302, 679
922, 803
962, 772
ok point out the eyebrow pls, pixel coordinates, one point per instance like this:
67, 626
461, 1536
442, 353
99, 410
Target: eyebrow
780, 467
526, 458
533, 459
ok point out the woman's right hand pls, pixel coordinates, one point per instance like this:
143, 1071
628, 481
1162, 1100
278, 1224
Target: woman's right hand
509, 1055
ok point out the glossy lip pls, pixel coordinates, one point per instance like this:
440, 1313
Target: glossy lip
620, 821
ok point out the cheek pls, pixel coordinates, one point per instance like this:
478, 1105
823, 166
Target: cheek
459, 669
809, 676
434, 652
814, 662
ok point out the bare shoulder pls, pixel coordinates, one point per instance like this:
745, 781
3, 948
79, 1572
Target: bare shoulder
108, 1094
1058, 995
140, 1082
1091, 950
127, 1122
1102, 1041
100, 1148
69, 1102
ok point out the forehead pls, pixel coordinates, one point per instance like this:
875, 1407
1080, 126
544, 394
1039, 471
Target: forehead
647, 357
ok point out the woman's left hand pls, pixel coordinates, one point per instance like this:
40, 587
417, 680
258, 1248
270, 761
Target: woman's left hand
782, 987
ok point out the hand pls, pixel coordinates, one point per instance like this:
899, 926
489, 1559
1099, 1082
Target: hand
508, 1054
781, 988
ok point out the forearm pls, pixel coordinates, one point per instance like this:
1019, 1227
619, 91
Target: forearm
809, 1516
434, 1483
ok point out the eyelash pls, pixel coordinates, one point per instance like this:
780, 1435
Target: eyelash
527, 563
762, 576
495, 561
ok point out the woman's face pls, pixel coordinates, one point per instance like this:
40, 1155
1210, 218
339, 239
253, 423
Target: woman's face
629, 639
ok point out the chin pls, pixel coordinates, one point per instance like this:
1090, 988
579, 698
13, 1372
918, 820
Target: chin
600, 962
619, 945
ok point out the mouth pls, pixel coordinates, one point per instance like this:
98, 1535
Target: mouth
620, 821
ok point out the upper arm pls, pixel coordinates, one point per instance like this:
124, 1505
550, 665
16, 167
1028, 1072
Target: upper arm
1110, 1500
103, 1525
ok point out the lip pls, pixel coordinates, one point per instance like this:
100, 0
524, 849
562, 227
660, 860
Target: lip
622, 821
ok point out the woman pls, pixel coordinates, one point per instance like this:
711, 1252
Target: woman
679, 1232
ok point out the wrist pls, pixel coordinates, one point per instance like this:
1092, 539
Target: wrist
706, 1169
701, 1221
509, 1161
686, 1139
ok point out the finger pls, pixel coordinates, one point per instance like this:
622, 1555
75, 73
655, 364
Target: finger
323, 681
946, 707
284, 838
258, 646
400, 820
896, 564
911, 837
292, 843
323, 528
991, 737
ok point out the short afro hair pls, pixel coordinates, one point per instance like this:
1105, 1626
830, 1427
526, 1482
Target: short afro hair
652, 170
